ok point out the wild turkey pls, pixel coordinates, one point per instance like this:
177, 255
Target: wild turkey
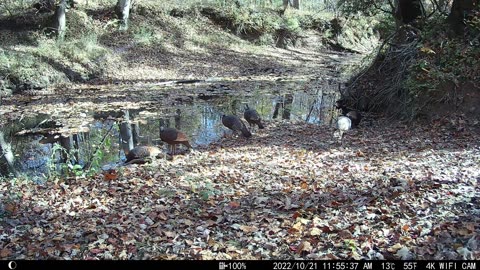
355, 116
344, 124
173, 137
141, 154
340, 105
236, 124
252, 117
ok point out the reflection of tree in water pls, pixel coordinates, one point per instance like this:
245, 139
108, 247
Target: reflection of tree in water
201, 122
178, 119
35, 159
7, 157
287, 106
136, 133
321, 110
70, 145
126, 134
285, 102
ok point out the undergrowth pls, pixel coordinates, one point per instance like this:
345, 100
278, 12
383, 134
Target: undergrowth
425, 71
443, 58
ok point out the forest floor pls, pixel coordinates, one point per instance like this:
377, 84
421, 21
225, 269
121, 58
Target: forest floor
392, 190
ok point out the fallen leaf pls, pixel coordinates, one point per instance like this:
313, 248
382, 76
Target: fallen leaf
315, 231
304, 185
304, 246
234, 204
11, 208
110, 175
5, 253
248, 229
169, 234
360, 154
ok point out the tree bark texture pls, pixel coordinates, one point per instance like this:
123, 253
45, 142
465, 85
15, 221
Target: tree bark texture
7, 153
123, 13
407, 11
296, 4
126, 133
459, 12
60, 21
287, 3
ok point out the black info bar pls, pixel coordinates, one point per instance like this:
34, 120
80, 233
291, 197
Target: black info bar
242, 264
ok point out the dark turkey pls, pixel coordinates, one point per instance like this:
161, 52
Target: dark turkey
173, 137
236, 124
252, 117
141, 154
355, 116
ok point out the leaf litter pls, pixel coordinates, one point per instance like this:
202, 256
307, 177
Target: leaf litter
390, 191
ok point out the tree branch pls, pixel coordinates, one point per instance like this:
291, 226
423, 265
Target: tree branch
384, 10
435, 3
392, 5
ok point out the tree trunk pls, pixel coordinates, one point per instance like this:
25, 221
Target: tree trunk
444, 5
136, 133
126, 134
287, 106
60, 22
7, 153
460, 10
286, 3
407, 11
276, 108
178, 119
296, 4
123, 12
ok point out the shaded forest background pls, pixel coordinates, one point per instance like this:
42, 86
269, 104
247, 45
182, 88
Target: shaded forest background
428, 51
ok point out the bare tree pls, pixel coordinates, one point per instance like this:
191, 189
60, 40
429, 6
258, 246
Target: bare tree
286, 3
123, 12
126, 133
296, 4
59, 19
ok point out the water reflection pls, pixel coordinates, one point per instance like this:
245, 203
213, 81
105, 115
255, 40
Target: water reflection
111, 134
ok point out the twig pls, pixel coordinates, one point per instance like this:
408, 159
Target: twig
391, 4
395, 64
365, 71
439, 9
313, 104
381, 9
89, 163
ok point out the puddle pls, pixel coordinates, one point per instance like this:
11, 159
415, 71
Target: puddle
36, 141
